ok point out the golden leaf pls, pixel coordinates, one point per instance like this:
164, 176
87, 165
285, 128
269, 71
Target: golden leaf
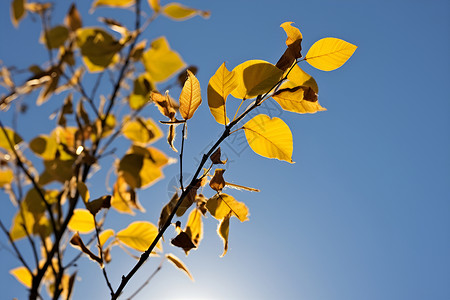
255, 77
142, 131
160, 61
301, 99
13, 137
112, 3
55, 37
81, 221
194, 226
221, 84
105, 235
220, 205
190, 97
73, 18
270, 138
294, 46
329, 53
293, 33
139, 235
142, 86
223, 230
179, 12
98, 48
6, 177
22, 275
124, 197
154, 4
179, 264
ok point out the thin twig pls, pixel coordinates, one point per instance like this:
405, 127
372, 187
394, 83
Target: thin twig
148, 279
103, 267
18, 254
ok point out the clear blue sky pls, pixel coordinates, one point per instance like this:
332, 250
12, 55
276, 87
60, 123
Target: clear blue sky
365, 211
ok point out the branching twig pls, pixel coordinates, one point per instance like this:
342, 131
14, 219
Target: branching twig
148, 279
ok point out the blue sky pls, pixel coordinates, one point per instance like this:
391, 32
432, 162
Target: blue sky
364, 211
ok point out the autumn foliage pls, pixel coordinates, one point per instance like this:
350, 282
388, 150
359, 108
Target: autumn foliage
53, 201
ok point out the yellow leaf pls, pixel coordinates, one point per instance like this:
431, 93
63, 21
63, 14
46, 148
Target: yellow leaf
22, 275
270, 138
194, 226
293, 33
220, 205
154, 4
160, 61
298, 77
55, 37
124, 197
223, 230
21, 219
81, 221
179, 264
255, 77
44, 146
141, 131
141, 167
139, 235
179, 12
142, 87
113, 3
6, 177
17, 11
105, 235
190, 97
221, 84
329, 53
13, 137
301, 99
98, 48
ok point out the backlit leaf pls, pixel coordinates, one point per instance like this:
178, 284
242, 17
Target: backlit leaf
171, 137
6, 177
124, 197
141, 167
270, 138
21, 219
98, 48
194, 226
160, 61
44, 146
154, 4
22, 275
298, 77
55, 37
13, 137
139, 235
179, 12
167, 210
293, 33
112, 3
255, 77
81, 221
105, 235
190, 97
221, 84
329, 53
142, 131
164, 104
223, 230
142, 87
17, 11
179, 264
301, 99
220, 205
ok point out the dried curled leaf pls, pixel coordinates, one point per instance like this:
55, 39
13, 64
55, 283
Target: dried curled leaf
294, 47
179, 264
223, 230
217, 182
215, 158
78, 242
